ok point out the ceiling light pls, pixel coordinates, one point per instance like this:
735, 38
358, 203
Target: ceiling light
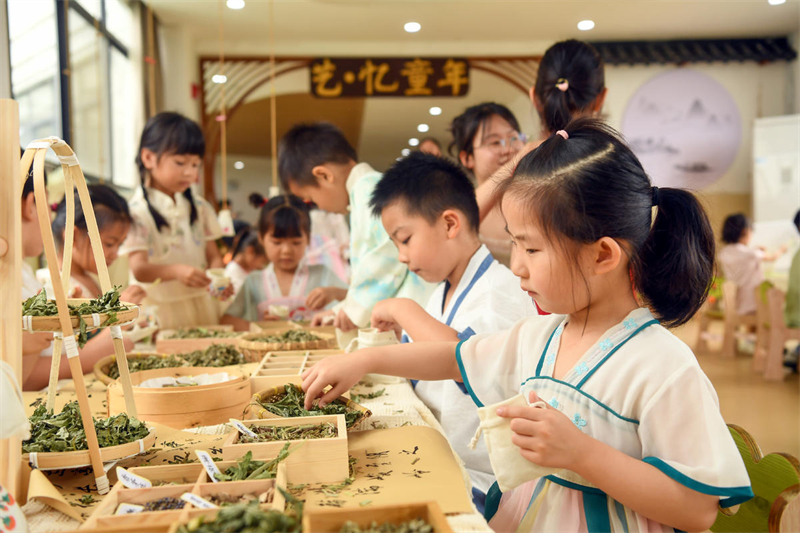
219, 78
235, 4
413, 141
405, 152
776, 2
586, 25
422, 128
239, 165
412, 27
436, 111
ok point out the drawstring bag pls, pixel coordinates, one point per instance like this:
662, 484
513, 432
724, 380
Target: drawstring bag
371, 338
510, 468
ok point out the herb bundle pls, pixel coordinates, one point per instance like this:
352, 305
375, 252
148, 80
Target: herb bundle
283, 433
293, 335
108, 303
416, 525
247, 518
64, 432
202, 333
290, 405
247, 469
216, 355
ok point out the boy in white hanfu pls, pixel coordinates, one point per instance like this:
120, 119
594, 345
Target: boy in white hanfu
428, 208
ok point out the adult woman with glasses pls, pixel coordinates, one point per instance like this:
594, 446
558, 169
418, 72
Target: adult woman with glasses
486, 137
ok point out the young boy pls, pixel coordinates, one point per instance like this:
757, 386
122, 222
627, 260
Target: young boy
316, 163
427, 206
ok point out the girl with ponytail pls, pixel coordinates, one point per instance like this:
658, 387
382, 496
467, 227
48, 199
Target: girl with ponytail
619, 428
172, 241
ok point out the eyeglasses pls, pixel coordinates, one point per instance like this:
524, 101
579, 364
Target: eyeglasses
514, 141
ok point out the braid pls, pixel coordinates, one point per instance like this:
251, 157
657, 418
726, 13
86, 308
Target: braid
157, 217
188, 195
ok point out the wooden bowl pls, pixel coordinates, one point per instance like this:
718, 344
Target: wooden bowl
254, 350
254, 411
184, 407
80, 458
102, 367
52, 323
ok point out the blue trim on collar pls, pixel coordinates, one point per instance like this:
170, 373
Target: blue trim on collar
612, 352
484, 266
464, 375
544, 352
595, 400
732, 495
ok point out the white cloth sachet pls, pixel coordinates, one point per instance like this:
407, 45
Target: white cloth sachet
371, 338
510, 468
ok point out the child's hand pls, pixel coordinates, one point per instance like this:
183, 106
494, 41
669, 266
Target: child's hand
343, 322
133, 294
268, 316
318, 298
545, 437
191, 277
323, 318
35, 343
383, 317
341, 372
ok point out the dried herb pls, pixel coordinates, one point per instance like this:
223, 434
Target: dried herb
216, 355
87, 499
108, 303
178, 385
284, 433
164, 504
64, 432
290, 405
416, 525
293, 335
358, 398
202, 333
248, 518
223, 499
164, 482
151, 362
248, 469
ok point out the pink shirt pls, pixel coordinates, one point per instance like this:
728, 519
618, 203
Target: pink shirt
742, 265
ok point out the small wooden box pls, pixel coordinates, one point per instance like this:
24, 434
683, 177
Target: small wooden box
104, 517
267, 326
165, 345
280, 368
322, 520
313, 461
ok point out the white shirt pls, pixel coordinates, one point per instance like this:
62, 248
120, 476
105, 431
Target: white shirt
494, 302
236, 274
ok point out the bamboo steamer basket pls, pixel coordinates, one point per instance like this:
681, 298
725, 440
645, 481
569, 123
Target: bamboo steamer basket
185, 407
102, 367
81, 458
254, 350
254, 411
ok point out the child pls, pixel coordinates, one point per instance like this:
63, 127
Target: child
173, 238
428, 208
247, 255
316, 163
288, 280
632, 422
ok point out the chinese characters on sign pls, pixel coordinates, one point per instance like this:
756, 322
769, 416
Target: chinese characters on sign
389, 76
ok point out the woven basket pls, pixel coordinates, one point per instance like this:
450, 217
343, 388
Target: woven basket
254, 411
254, 351
102, 366
52, 323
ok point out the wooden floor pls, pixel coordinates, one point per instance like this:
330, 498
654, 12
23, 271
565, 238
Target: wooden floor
769, 411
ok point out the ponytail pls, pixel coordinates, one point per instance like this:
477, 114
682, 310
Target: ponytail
676, 262
257, 200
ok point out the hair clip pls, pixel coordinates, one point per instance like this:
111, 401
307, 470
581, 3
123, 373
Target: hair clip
562, 84
563, 134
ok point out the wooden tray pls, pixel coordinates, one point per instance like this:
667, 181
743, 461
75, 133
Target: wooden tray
184, 407
169, 346
254, 411
279, 368
51, 323
325, 520
267, 326
80, 458
254, 351
311, 460
101, 367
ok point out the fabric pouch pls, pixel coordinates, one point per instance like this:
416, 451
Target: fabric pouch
510, 468
371, 338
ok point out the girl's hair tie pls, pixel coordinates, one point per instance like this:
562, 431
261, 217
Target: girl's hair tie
563, 134
562, 84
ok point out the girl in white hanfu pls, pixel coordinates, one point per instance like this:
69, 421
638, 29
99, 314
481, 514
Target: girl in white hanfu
629, 426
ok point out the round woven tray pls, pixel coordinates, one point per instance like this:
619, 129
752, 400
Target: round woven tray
51, 323
254, 351
79, 459
102, 366
254, 411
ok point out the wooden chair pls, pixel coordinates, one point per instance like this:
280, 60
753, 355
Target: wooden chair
733, 320
762, 327
775, 480
778, 335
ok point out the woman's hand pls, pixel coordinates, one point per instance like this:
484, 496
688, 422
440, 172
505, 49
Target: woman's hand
319, 298
546, 437
133, 294
191, 277
341, 372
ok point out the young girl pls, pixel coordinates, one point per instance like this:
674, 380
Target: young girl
486, 137
113, 223
288, 281
247, 255
172, 241
631, 422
